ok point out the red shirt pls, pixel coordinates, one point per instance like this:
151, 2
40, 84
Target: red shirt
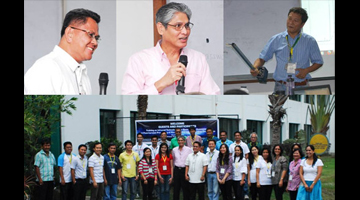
164, 161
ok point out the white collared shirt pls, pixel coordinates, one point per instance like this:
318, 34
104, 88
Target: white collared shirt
212, 157
196, 163
140, 149
80, 166
57, 73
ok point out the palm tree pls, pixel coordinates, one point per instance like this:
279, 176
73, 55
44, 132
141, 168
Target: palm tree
320, 112
277, 112
142, 103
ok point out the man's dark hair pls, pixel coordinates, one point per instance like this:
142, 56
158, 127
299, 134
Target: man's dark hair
66, 143
192, 127
80, 16
128, 141
45, 141
82, 145
300, 11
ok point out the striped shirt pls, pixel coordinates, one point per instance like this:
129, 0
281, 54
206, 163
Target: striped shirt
97, 162
148, 170
46, 164
305, 51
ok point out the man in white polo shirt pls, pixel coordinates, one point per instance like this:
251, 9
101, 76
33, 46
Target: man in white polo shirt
64, 163
195, 169
63, 71
78, 173
212, 183
96, 168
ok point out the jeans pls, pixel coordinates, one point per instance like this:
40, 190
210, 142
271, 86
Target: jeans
165, 188
110, 192
213, 186
125, 184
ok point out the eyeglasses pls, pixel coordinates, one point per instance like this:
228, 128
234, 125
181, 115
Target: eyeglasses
91, 35
180, 26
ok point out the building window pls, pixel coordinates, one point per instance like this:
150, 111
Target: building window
230, 126
108, 124
149, 116
293, 128
194, 117
255, 126
295, 97
308, 131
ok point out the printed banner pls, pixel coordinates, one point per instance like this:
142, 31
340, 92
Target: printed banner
154, 127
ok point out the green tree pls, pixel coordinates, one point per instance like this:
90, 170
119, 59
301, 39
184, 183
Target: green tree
105, 143
41, 116
320, 112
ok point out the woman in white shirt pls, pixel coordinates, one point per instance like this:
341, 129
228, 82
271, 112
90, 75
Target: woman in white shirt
252, 164
239, 172
263, 175
310, 172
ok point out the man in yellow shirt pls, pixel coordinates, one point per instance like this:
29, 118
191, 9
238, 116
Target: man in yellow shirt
129, 175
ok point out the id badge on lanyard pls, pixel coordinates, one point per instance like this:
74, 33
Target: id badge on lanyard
291, 66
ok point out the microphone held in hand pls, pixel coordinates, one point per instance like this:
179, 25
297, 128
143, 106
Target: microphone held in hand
103, 82
180, 87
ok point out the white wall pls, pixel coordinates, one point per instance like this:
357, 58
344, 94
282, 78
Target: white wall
134, 32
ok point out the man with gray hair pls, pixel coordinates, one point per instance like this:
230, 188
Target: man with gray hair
254, 142
180, 154
157, 71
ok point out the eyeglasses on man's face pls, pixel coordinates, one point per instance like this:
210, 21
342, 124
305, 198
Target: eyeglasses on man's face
180, 26
91, 35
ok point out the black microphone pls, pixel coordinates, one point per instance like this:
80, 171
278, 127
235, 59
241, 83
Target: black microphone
180, 87
103, 82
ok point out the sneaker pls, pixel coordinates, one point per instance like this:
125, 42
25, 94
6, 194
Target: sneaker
246, 197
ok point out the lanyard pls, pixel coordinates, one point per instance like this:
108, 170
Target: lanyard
211, 156
291, 48
97, 158
82, 161
112, 161
164, 158
70, 158
192, 141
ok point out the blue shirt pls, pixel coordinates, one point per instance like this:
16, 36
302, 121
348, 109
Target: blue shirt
46, 164
305, 51
111, 167
205, 142
64, 161
219, 143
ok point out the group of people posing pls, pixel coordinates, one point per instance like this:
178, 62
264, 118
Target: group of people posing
187, 164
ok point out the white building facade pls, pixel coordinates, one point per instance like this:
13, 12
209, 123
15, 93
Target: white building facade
114, 115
